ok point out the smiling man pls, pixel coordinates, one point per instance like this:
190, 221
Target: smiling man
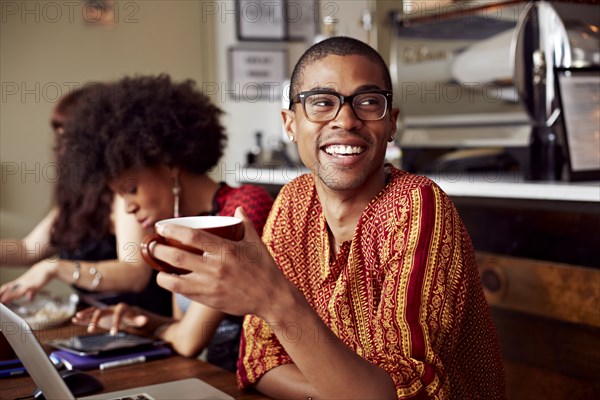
366, 285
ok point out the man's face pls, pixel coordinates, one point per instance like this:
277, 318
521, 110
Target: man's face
346, 151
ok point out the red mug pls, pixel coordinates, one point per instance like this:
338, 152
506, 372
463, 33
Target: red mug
230, 228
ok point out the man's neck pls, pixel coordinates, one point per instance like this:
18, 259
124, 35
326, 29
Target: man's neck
342, 209
342, 215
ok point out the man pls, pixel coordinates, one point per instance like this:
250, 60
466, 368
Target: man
366, 286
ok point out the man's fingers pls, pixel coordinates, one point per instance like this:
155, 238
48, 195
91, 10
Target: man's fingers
190, 284
177, 257
167, 281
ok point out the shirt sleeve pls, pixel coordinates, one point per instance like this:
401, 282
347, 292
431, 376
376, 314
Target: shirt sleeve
260, 351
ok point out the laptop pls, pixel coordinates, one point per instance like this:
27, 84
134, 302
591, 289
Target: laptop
21, 338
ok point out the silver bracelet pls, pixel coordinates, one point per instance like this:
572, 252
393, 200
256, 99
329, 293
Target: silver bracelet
97, 278
76, 273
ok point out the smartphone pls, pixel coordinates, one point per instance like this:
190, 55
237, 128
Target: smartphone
86, 345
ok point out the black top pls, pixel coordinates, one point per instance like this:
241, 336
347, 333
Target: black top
152, 298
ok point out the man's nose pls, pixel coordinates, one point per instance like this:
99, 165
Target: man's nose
346, 118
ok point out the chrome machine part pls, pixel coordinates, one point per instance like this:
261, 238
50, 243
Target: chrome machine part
540, 45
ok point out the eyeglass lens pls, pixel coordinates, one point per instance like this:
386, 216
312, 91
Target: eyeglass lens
325, 106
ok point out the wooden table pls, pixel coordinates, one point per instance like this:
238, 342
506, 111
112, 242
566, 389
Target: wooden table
156, 371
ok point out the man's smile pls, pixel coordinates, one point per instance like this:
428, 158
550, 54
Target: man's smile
343, 150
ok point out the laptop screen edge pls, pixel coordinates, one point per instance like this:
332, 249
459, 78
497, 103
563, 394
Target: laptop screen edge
24, 343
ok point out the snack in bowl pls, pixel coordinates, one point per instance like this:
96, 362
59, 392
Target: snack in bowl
45, 310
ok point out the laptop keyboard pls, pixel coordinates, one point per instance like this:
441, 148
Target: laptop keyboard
140, 396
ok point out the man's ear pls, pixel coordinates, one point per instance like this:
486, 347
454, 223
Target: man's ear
394, 113
289, 123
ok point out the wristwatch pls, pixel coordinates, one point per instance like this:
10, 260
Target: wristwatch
77, 272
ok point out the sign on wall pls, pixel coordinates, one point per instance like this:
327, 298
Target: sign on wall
257, 74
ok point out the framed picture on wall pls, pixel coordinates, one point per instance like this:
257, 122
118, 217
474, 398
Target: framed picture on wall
257, 74
302, 17
261, 20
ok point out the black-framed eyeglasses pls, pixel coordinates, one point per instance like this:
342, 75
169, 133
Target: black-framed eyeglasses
324, 106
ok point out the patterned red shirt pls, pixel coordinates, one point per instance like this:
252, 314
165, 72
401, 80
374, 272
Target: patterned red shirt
255, 200
404, 294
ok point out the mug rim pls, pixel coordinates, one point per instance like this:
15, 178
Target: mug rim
225, 221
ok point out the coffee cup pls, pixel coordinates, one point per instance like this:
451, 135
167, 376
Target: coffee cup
230, 228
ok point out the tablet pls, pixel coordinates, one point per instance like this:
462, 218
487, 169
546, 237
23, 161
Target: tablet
102, 343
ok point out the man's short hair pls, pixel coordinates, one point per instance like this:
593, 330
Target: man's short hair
338, 46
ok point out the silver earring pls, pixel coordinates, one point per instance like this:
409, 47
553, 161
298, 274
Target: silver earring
391, 139
176, 191
292, 138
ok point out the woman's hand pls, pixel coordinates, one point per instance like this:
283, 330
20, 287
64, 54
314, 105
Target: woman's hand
113, 318
28, 284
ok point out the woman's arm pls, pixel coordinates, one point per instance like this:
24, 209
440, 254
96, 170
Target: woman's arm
32, 248
127, 273
193, 332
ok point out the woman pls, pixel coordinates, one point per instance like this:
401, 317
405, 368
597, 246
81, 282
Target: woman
157, 148
82, 239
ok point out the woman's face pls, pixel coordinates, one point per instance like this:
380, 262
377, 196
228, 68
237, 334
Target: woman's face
147, 192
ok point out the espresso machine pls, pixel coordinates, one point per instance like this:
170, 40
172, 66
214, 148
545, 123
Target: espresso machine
476, 85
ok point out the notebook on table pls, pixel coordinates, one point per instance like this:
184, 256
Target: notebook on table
25, 344
85, 362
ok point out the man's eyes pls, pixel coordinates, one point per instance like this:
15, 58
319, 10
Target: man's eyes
321, 102
368, 101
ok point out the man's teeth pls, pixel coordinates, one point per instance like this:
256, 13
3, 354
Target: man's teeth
339, 149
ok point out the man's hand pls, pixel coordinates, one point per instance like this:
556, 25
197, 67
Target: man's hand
234, 277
